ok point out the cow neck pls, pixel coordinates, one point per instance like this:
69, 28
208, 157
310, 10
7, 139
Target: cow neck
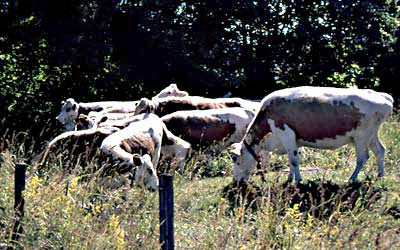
252, 152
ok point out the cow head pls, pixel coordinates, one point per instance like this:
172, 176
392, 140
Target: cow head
145, 106
171, 90
245, 157
145, 175
69, 111
177, 150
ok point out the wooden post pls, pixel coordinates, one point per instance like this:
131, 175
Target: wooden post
166, 195
19, 186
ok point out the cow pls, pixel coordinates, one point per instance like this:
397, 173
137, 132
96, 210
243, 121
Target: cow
164, 106
138, 147
71, 109
212, 128
317, 117
83, 115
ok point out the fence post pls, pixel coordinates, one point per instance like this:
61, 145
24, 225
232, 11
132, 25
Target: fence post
166, 196
19, 186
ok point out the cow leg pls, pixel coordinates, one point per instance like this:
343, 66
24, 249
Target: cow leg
362, 155
294, 165
287, 138
157, 138
379, 151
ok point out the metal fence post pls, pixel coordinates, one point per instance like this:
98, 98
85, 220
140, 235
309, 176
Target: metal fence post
166, 197
19, 202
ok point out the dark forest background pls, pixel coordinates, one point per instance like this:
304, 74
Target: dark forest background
123, 50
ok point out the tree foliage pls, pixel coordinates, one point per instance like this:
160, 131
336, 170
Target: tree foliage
97, 50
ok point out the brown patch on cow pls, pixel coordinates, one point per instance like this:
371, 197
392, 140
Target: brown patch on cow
86, 110
139, 144
259, 128
170, 105
82, 122
200, 131
232, 104
311, 118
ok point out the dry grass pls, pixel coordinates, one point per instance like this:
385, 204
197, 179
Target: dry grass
70, 209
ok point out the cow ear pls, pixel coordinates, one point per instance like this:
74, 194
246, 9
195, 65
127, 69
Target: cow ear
83, 117
143, 101
62, 102
103, 119
141, 106
151, 108
235, 148
137, 160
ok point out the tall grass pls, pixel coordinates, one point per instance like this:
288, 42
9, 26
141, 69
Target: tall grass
71, 208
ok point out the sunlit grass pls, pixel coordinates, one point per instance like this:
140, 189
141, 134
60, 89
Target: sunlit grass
71, 209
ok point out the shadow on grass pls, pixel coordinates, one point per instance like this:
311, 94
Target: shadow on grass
319, 198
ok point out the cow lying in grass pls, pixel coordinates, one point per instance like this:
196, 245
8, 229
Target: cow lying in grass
138, 147
83, 115
318, 117
164, 106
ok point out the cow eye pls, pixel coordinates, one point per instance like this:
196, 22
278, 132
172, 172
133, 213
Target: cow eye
150, 171
67, 109
234, 158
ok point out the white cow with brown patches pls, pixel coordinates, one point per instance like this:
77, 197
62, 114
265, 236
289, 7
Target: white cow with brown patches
318, 117
71, 110
164, 106
212, 128
77, 115
139, 146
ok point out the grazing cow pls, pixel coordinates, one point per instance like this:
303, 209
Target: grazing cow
215, 128
164, 106
318, 117
139, 146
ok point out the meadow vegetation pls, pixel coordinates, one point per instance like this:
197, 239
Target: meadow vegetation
97, 50
70, 208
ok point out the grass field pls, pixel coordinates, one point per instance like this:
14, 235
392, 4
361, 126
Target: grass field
72, 209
